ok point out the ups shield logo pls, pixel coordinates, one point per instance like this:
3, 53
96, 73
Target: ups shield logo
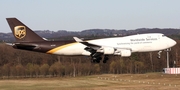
20, 32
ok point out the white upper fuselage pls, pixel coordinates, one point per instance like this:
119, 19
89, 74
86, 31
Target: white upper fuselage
134, 43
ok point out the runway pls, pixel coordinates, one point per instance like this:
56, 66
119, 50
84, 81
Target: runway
150, 81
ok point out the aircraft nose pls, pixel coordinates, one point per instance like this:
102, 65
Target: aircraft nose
172, 43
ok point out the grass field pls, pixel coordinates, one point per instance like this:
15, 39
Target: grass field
150, 81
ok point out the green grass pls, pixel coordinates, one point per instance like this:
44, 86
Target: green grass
150, 81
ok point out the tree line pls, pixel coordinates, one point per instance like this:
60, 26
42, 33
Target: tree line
18, 63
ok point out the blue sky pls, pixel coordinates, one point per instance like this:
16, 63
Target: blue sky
78, 15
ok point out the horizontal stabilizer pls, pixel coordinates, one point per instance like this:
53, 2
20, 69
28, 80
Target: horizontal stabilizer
25, 46
10, 44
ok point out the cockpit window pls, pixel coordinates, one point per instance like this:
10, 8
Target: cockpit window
163, 35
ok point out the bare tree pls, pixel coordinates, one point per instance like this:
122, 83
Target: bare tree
44, 69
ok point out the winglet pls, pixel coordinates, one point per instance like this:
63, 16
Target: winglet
77, 39
86, 43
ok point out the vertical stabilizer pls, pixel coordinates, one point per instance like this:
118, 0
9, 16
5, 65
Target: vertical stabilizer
21, 32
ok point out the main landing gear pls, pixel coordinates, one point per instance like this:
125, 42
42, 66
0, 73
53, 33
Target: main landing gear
98, 59
105, 58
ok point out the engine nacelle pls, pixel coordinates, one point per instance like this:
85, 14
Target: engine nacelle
112, 51
123, 53
108, 50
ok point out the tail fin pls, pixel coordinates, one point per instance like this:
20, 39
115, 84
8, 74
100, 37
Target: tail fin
21, 32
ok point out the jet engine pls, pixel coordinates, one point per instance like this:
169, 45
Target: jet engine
112, 51
108, 50
123, 53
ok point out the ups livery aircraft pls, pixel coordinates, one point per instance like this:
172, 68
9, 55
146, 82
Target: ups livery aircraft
98, 49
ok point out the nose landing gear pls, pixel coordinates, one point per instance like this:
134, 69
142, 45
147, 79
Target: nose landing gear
159, 54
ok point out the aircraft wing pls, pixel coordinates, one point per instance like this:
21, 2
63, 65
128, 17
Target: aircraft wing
90, 45
77, 39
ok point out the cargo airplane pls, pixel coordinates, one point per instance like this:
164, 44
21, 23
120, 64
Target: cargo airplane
97, 49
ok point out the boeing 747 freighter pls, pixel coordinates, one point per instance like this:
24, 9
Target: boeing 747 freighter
98, 49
